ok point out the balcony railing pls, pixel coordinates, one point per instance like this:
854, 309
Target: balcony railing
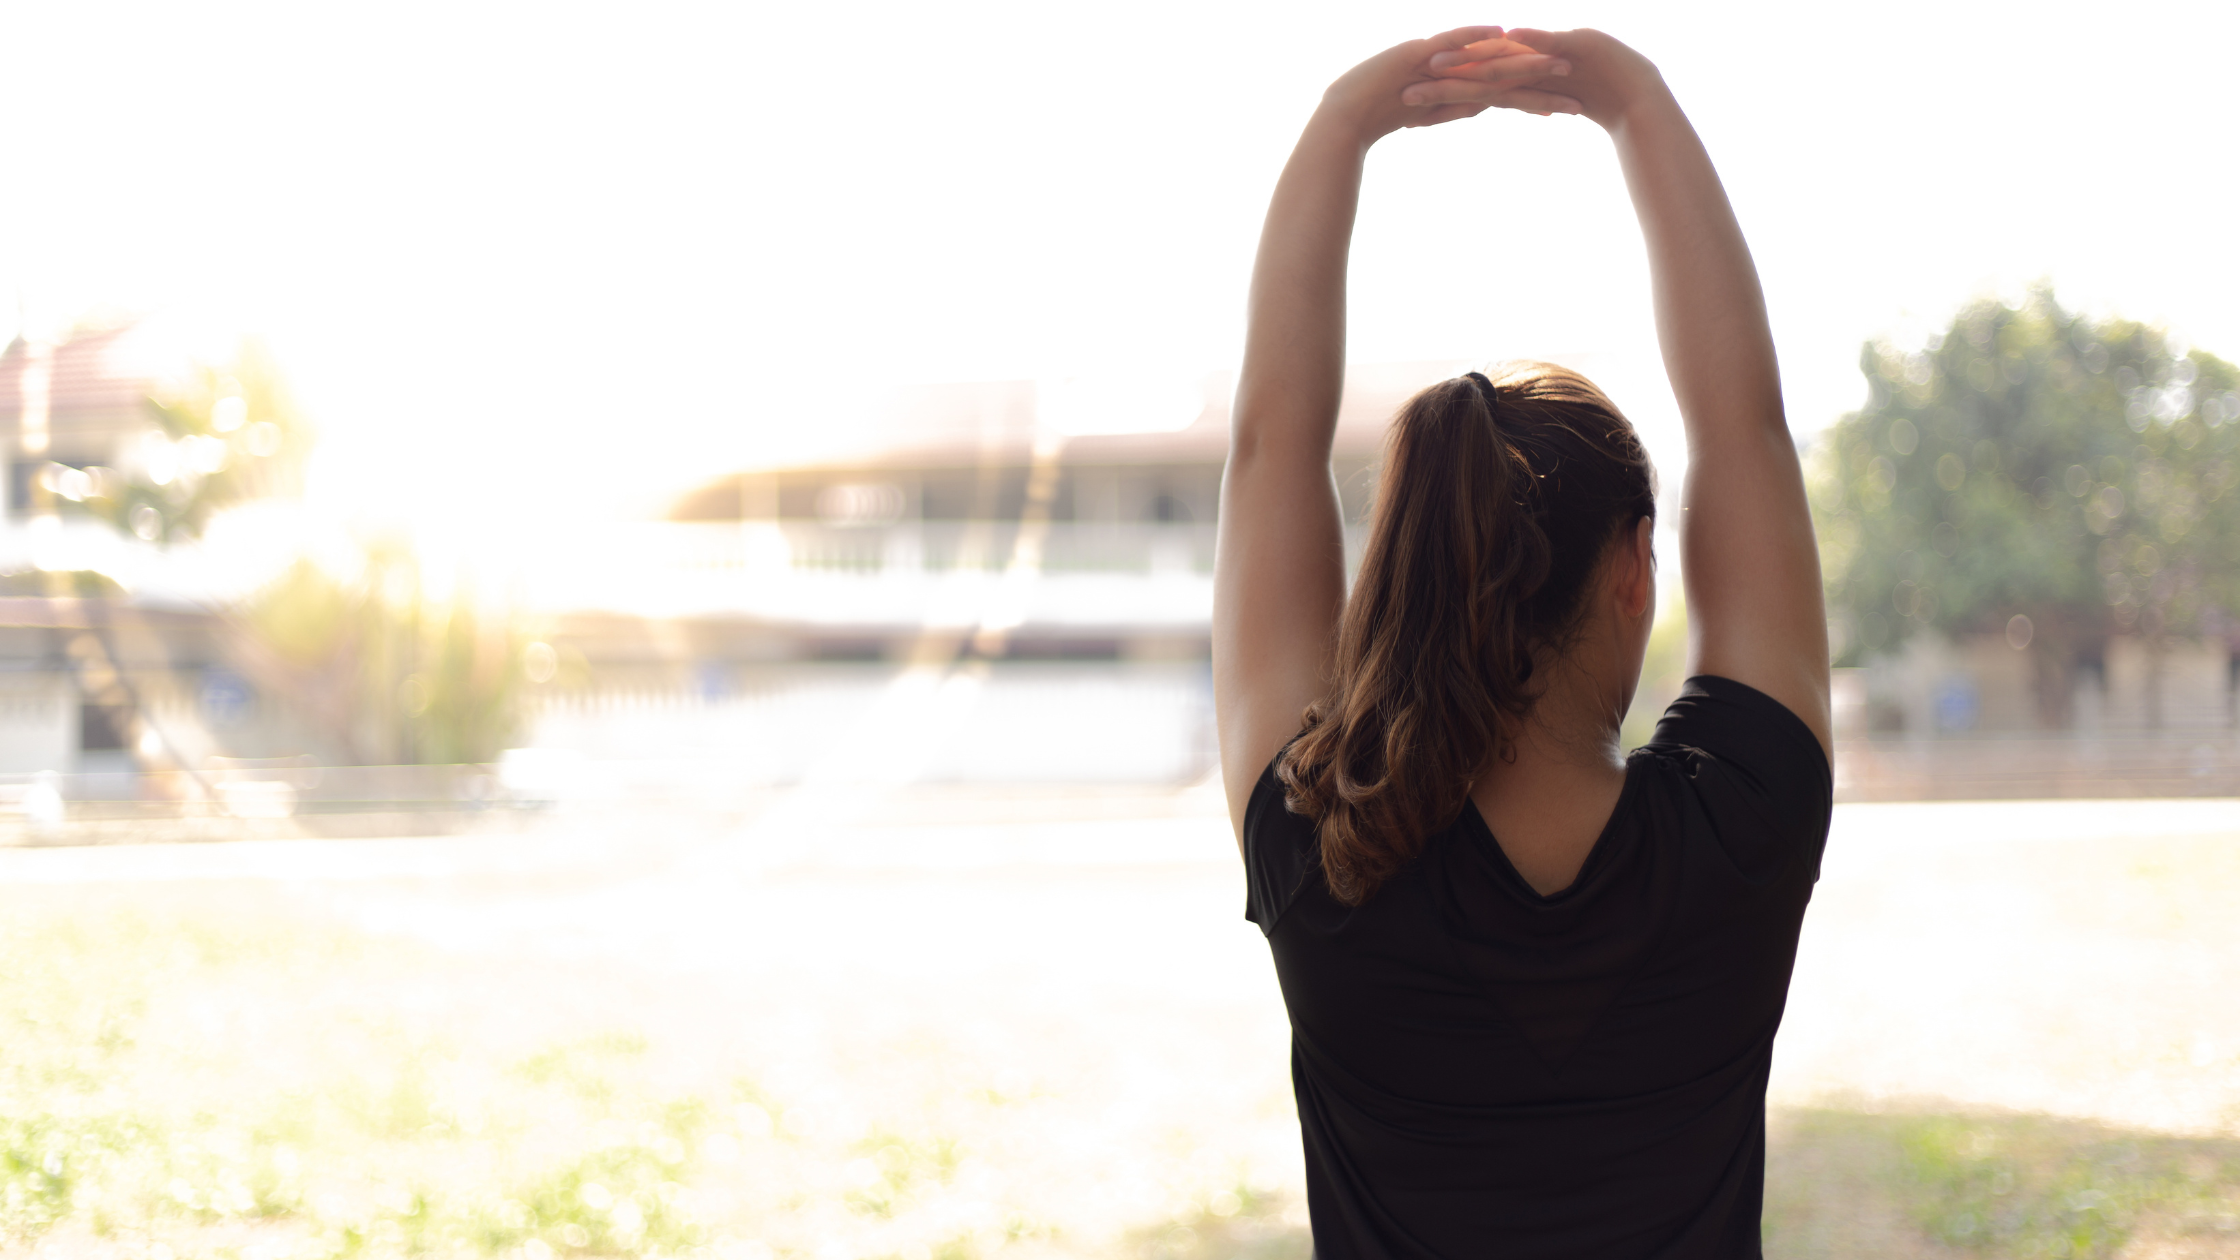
940, 546
1148, 548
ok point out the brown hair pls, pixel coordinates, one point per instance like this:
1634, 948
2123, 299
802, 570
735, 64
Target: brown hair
1497, 500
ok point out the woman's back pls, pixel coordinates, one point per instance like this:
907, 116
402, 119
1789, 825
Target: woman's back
1585, 1069
1481, 1069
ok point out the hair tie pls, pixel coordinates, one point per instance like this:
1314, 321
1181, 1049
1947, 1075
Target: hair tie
1485, 387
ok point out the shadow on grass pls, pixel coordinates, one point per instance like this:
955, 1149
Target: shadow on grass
1929, 1184
1849, 1185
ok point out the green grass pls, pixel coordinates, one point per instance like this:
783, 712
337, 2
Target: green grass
1236, 1222
1843, 1183
190, 1083
122, 1130
177, 1085
1864, 1186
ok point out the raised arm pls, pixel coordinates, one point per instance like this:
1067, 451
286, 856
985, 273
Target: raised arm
1279, 564
1748, 560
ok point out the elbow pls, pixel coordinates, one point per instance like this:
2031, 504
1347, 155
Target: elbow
1247, 443
1262, 428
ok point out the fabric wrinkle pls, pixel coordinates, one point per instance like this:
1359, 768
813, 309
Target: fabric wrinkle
1577, 1074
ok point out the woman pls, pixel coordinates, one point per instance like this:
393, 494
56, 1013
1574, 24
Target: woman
1533, 981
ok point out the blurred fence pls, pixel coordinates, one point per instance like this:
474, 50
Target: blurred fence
718, 746
1012, 722
1066, 546
911, 573
232, 799
2040, 765
678, 752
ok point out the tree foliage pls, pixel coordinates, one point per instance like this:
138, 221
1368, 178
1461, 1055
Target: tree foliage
385, 674
224, 434
2033, 471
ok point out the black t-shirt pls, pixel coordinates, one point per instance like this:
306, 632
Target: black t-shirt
1484, 1071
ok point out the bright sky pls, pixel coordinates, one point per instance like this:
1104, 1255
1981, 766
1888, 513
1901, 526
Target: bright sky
542, 261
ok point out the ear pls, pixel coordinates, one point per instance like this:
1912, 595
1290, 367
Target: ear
1634, 568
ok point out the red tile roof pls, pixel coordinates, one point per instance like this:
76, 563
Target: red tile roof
93, 391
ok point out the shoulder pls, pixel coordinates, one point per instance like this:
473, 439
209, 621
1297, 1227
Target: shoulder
1747, 760
1715, 711
1280, 851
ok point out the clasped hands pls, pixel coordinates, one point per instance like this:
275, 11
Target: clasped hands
1467, 71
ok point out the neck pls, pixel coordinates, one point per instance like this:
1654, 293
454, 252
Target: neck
1571, 732
1577, 718
1548, 800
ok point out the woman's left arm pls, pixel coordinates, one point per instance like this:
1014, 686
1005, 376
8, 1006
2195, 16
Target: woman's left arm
1748, 556
1279, 564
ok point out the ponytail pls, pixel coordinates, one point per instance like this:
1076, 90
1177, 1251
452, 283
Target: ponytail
1495, 504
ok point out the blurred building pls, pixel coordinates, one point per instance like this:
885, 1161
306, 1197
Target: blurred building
986, 582
1058, 567
971, 510
1959, 720
766, 612
79, 405
113, 656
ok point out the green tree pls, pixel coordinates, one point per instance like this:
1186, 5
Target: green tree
2033, 471
372, 669
386, 675
223, 434
390, 675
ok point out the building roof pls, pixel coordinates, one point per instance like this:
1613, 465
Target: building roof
94, 384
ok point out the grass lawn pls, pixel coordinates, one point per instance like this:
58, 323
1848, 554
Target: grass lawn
931, 1065
217, 1082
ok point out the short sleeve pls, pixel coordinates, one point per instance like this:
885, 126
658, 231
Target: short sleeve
1279, 852
1755, 764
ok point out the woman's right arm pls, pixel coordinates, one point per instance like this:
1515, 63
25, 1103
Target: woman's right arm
1279, 562
1748, 559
